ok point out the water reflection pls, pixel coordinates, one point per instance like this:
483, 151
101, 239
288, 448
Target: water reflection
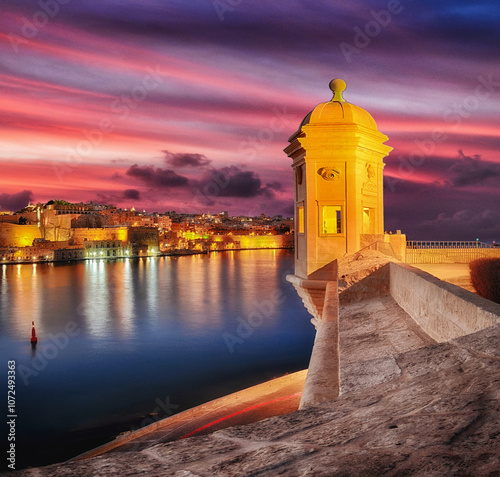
96, 305
124, 299
142, 329
151, 285
115, 298
35, 305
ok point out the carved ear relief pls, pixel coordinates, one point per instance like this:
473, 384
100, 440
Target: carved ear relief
370, 171
328, 173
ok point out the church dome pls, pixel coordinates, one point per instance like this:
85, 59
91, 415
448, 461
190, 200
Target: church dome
339, 111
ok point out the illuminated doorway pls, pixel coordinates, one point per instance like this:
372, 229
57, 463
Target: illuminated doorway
368, 220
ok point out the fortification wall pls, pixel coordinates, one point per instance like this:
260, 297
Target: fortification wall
264, 241
111, 233
444, 311
256, 241
18, 235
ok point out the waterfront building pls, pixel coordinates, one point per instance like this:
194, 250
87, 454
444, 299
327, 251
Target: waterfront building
106, 249
143, 240
69, 253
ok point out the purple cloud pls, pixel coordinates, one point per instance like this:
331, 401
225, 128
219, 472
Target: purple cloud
469, 170
15, 202
157, 177
132, 194
233, 181
182, 160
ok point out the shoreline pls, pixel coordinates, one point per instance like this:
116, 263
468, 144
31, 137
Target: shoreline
237, 408
186, 253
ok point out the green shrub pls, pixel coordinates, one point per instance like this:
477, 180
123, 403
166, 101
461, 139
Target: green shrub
485, 277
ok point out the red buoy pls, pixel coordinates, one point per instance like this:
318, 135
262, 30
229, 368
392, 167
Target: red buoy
34, 339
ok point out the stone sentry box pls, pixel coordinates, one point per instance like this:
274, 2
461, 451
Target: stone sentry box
338, 166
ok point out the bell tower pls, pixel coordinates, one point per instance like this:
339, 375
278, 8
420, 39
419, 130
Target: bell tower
337, 155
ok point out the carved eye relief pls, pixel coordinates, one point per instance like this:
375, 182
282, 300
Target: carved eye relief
328, 173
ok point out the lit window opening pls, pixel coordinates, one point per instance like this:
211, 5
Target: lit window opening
331, 220
300, 219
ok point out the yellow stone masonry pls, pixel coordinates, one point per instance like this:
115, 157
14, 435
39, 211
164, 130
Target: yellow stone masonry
338, 166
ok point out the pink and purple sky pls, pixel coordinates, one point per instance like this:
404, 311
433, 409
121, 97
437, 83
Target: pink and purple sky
187, 106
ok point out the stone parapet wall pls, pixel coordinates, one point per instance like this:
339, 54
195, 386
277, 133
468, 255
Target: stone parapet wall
449, 255
444, 311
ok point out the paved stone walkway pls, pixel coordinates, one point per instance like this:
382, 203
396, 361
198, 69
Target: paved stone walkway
372, 333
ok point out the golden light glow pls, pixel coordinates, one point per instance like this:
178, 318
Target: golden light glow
331, 222
300, 219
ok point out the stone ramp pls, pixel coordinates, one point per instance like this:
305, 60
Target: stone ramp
372, 333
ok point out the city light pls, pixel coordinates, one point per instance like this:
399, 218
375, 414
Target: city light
128, 234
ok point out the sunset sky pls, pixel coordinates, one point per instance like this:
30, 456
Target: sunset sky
187, 106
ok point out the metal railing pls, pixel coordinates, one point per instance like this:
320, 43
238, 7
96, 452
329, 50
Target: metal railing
418, 245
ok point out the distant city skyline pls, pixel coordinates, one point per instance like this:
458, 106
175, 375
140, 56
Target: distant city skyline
138, 210
187, 107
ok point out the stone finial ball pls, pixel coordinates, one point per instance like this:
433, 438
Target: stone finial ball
338, 85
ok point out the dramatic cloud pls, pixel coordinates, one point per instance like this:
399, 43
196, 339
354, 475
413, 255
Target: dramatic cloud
470, 170
113, 198
157, 177
132, 194
234, 182
464, 225
277, 186
182, 160
90, 97
441, 211
15, 202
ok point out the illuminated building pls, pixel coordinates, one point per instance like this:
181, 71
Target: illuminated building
143, 240
81, 235
106, 249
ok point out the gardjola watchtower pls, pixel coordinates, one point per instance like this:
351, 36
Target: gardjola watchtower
338, 166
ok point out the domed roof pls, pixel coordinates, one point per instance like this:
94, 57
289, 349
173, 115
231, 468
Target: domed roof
339, 111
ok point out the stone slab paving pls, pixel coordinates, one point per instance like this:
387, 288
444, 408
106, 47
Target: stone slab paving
372, 333
409, 407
